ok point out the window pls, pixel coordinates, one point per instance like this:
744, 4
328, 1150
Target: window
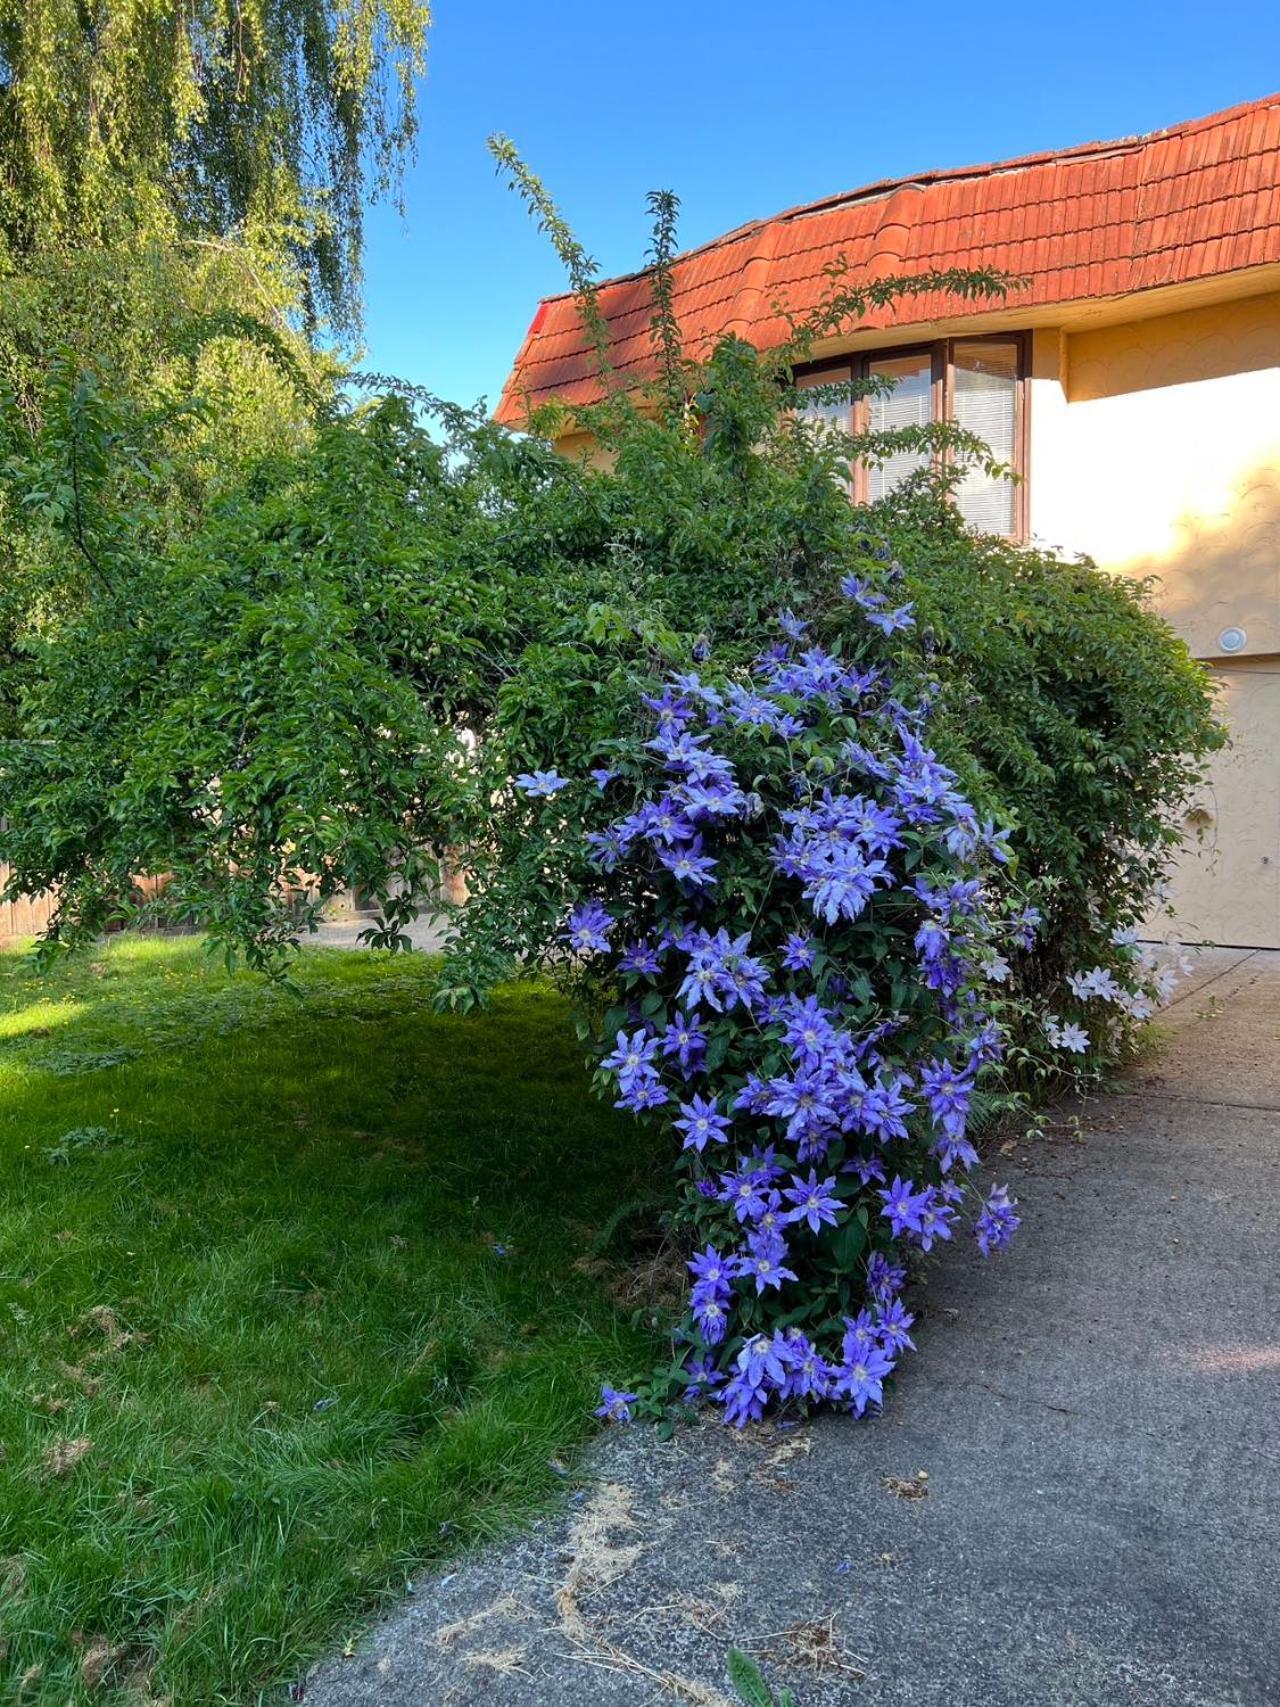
979, 383
909, 404
985, 399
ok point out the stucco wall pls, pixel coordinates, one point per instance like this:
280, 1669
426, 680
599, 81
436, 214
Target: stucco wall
1227, 885
1155, 447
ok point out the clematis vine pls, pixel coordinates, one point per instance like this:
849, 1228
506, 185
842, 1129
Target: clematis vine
811, 917
819, 929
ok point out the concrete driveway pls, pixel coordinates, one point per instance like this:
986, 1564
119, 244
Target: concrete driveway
343, 931
1072, 1497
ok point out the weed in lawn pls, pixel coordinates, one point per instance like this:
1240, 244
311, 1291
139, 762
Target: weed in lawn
79, 1141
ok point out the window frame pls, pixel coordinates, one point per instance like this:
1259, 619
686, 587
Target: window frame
942, 391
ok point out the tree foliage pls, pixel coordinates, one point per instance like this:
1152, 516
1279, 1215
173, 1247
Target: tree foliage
268, 120
368, 635
181, 203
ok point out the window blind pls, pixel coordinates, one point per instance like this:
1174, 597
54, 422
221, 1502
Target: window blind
909, 404
837, 416
985, 403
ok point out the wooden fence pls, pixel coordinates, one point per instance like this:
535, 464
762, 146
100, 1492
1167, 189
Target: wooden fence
25, 917
28, 916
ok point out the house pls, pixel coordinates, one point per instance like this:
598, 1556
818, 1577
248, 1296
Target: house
1133, 380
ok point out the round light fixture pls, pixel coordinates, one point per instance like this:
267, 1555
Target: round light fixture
1232, 640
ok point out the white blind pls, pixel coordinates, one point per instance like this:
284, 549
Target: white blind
836, 416
909, 404
986, 404
828, 417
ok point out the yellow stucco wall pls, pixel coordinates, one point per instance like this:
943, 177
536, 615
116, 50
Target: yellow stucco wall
583, 447
1155, 447
1227, 885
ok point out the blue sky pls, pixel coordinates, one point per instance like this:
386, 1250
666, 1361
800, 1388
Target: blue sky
743, 109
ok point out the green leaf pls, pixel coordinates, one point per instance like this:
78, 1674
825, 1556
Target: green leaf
847, 1243
748, 1681
717, 1049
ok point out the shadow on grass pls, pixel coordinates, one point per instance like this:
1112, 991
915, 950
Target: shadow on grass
292, 1298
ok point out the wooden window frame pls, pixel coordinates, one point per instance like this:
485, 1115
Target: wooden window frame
942, 357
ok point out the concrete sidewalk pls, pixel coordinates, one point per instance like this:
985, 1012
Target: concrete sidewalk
1097, 1416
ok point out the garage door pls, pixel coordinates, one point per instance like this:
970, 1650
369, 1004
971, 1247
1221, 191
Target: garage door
1227, 885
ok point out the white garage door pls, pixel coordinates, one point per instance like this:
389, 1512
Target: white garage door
1227, 885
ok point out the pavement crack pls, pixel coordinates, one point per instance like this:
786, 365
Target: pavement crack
1023, 1398
1245, 958
1149, 1095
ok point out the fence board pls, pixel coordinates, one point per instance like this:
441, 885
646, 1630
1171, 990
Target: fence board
26, 916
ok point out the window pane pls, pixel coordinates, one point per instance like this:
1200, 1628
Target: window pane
829, 417
909, 404
986, 403
839, 416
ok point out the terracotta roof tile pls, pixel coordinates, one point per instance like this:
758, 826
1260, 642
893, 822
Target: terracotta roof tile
1103, 219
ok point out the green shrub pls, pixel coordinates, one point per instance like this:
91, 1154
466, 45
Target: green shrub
331, 678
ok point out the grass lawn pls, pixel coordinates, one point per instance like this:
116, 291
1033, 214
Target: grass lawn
288, 1305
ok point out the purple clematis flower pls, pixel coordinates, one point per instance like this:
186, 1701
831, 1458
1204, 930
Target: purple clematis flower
936, 1216
709, 1268
644, 1093
704, 1377
616, 1406
746, 1192
631, 1054
893, 621
861, 1333
885, 1279
799, 953
814, 1200
947, 1091
895, 1324
861, 1380
689, 864
710, 1314
998, 1222
904, 1206
541, 785
701, 1123
588, 927
686, 1040
764, 1262
640, 957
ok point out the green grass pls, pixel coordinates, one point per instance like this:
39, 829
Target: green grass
260, 1355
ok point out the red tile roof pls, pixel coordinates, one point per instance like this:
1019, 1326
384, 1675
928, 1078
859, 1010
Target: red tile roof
1102, 219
